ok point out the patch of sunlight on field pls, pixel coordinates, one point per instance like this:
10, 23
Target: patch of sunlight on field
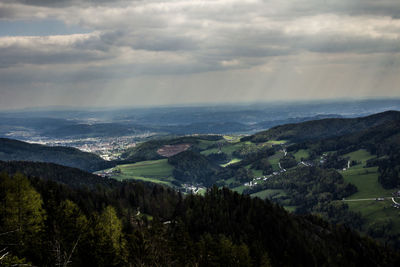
155, 171
234, 160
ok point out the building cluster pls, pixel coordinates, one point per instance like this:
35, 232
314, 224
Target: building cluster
192, 189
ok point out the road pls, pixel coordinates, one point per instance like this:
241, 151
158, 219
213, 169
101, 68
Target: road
369, 199
360, 199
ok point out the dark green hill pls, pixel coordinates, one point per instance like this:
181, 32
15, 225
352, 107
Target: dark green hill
379, 140
193, 167
72, 177
321, 129
16, 150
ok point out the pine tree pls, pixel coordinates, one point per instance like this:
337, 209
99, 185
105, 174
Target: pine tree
70, 230
110, 243
22, 215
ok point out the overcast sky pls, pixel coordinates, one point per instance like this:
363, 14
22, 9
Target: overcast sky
120, 52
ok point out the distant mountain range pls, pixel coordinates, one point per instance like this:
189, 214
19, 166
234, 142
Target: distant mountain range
218, 119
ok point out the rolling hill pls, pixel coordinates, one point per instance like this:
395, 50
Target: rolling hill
307, 167
13, 150
73, 177
325, 128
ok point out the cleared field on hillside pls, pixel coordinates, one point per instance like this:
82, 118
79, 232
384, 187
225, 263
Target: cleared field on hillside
170, 150
366, 180
234, 160
302, 153
378, 211
277, 142
274, 160
227, 149
361, 155
156, 171
232, 138
239, 189
203, 144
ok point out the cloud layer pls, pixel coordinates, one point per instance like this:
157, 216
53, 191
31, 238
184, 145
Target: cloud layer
167, 52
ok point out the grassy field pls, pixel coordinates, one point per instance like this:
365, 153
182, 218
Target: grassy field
376, 211
276, 142
360, 155
257, 173
274, 160
227, 149
366, 180
203, 144
239, 189
302, 153
232, 138
234, 160
156, 171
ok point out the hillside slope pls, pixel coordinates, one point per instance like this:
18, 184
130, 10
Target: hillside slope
321, 129
72, 177
17, 150
221, 228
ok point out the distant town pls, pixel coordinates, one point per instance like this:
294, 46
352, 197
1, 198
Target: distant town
108, 148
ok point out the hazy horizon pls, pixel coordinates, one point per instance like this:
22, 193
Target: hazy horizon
169, 53
199, 105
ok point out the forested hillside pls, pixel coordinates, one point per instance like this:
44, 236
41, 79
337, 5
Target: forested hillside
72, 177
321, 129
322, 167
333, 183
135, 224
16, 150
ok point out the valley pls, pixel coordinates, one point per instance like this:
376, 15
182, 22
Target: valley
280, 170
341, 174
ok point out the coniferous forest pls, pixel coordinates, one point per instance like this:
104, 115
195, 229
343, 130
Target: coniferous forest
48, 223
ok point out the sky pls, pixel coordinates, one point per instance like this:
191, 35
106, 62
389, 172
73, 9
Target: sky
145, 52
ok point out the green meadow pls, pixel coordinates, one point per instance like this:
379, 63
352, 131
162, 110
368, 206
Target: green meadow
302, 153
274, 160
156, 171
366, 181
